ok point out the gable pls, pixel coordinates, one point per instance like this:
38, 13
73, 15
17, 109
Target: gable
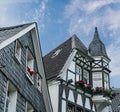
10, 34
53, 65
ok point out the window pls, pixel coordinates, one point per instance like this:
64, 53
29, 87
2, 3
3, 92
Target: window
18, 51
30, 65
11, 98
106, 82
70, 108
97, 79
39, 82
86, 76
56, 53
79, 110
78, 73
29, 108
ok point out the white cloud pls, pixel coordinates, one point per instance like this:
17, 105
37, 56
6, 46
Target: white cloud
40, 14
5, 19
84, 16
88, 6
12, 15
2, 2
114, 54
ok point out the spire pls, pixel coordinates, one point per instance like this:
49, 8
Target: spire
96, 47
96, 35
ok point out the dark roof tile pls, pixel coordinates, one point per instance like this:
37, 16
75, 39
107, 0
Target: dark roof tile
96, 47
53, 66
8, 32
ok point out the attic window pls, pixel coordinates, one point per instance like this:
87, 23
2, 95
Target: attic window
18, 51
56, 53
39, 82
29, 65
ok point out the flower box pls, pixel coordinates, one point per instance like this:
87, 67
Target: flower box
31, 72
102, 91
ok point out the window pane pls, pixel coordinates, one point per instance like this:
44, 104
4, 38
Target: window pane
106, 83
70, 108
86, 76
18, 51
78, 73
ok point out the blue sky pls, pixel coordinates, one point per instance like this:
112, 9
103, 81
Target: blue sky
58, 20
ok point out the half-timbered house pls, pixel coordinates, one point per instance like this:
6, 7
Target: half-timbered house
78, 76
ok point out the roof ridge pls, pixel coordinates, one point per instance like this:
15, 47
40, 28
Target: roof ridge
77, 43
15, 26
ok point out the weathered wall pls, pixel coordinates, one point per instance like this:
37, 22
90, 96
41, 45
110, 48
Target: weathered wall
16, 73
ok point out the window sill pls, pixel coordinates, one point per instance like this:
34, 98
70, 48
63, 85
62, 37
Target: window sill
30, 78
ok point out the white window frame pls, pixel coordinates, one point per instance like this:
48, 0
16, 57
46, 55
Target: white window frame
78, 73
106, 81
29, 107
29, 65
39, 82
18, 50
86, 76
11, 95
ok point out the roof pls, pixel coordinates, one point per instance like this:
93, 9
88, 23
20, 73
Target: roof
96, 47
116, 100
54, 63
77, 43
8, 32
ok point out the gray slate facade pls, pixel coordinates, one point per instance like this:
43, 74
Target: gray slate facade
15, 72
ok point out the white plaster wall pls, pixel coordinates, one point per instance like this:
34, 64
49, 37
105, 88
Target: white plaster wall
63, 106
79, 100
87, 103
54, 93
72, 66
70, 74
107, 109
71, 96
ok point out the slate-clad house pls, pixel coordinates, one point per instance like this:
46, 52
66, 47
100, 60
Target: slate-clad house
22, 79
71, 71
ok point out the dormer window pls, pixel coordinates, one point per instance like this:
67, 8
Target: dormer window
18, 51
29, 65
56, 53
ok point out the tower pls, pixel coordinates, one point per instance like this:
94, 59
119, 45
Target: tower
100, 74
100, 67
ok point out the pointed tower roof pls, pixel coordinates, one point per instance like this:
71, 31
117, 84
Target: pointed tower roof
97, 47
